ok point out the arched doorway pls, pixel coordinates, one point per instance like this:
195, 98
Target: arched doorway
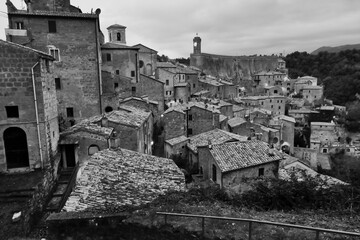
16, 150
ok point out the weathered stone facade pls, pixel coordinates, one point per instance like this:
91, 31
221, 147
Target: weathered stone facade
174, 123
73, 38
147, 60
31, 107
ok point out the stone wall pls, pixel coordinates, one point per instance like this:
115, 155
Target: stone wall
174, 124
76, 39
307, 154
154, 89
236, 67
202, 120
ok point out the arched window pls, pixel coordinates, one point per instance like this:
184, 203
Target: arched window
118, 36
93, 149
16, 148
108, 109
141, 63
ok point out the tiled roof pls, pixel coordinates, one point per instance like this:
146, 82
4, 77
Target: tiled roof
202, 105
211, 81
128, 115
184, 70
43, 54
237, 108
201, 92
287, 118
322, 124
238, 155
110, 45
313, 87
115, 26
176, 108
330, 108
176, 140
303, 111
261, 110
181, 84
222, 118
120, 177
165, 65
236, 121
87, 126
53, 13
216, 136
139, 45
138, 99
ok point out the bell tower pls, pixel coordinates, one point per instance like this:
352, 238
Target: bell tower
197, 44
117, 34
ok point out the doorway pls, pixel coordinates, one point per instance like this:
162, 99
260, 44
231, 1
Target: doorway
70, 155
16, 148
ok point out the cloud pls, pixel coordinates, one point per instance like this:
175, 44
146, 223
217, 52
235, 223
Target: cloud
232, 27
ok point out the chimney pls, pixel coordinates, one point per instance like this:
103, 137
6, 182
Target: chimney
114, 141
29, 6
209, 144
104, 121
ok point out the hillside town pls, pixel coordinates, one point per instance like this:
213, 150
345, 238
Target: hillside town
88, 124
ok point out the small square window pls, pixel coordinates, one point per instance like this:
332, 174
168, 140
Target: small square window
117, 72
132, 73
12, 111
261, 172
133, 89
108, 57
52, 26
190, 117
116, 85
189, 131
57, 84
70, 112
19, 25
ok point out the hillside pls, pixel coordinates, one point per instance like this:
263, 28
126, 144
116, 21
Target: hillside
336, 49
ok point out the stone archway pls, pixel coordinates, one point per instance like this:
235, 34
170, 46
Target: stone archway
16, 148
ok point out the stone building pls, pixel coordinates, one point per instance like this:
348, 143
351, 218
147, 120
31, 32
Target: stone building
217, 88
312, 93
114, 178
275, 103
29, 128
174, 120
73, 38
147, 60
286, 126
84, 139
302, 82
142, 103
228, 163
323, 134
237, 68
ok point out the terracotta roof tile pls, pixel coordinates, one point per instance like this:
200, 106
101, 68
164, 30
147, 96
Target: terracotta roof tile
176, 140
238, 155
122, 177
216, 136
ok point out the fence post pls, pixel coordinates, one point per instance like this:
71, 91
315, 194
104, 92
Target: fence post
203, 226
317, 235
250, 229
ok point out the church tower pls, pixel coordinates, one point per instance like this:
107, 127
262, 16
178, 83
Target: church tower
197, 44
117, 34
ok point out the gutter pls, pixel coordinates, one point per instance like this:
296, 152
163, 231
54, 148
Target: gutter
37, 115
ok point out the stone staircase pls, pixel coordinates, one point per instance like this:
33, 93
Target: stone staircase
62, 190
16, 195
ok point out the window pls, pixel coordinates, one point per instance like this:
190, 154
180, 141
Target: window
19, 25
70, 112
214, 173
279, 107
12, 111
57, 84
218, 88
117, 72
133, 89
189, 131
93, 149
118, 36
110, 37
167, 82
347, 149
190, 117
194, 85
55, 53
261, 172
108, 109
187, 77
270, 100
132, 73
262, 103
108, 57
116, 85
52, 26
47, 65
272, 106
275, 91
324, 150
141, 64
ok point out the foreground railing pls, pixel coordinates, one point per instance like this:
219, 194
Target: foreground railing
251, 221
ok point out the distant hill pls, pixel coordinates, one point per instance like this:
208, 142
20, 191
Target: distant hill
336, 49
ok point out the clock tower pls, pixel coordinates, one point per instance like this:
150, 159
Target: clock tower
197, 44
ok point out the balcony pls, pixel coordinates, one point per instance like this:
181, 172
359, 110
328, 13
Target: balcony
16, 32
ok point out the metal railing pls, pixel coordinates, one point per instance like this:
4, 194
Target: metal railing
251, 221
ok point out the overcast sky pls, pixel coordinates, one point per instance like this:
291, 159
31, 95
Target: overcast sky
229, 27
